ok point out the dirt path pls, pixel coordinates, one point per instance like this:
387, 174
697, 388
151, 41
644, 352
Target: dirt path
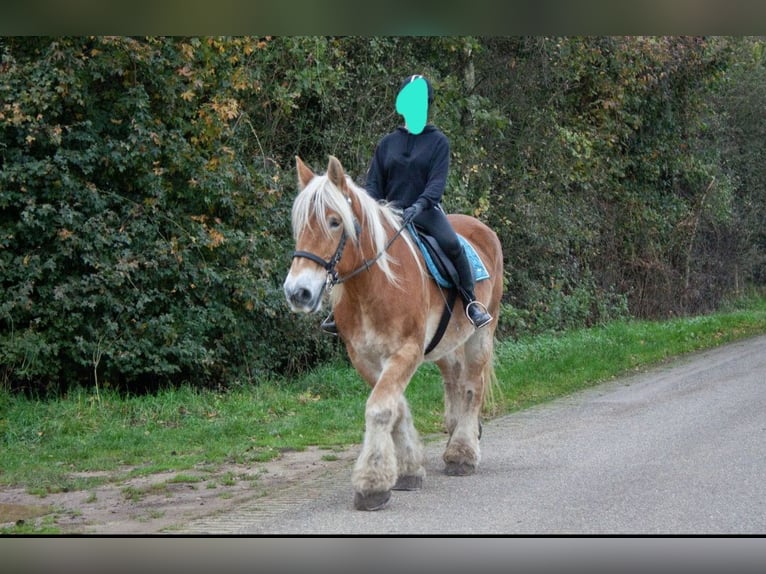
160, 503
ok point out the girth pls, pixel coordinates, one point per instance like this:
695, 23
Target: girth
447, 269
449, 305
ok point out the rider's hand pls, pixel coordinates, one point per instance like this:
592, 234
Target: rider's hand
411, 213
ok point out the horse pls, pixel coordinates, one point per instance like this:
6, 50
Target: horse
351, 250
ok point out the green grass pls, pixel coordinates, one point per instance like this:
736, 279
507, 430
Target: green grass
47, 526
544, 367
51, 445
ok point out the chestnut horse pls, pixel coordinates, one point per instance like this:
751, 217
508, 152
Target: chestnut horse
387, 309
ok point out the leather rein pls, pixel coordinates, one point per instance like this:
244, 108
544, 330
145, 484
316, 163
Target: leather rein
330, 265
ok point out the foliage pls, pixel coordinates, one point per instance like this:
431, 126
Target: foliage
608, 178
738, 130
142, 228
146, 184
46, 445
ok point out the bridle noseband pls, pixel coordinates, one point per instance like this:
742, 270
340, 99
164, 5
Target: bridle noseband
330, 264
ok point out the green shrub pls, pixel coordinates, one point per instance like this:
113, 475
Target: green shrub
140, 243
146, 185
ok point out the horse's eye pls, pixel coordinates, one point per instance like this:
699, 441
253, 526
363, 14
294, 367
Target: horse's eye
334, 222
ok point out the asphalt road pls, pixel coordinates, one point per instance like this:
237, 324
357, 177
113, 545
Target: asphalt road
680, 449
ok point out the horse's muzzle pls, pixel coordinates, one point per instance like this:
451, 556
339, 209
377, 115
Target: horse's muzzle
303, 295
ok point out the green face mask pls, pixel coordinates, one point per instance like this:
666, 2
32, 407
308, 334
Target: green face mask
412, 103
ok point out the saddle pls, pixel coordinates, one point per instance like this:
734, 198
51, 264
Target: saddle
443, 271
440, 266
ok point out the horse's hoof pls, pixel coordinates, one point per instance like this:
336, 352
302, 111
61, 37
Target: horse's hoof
459, 469
409, 483
372, 501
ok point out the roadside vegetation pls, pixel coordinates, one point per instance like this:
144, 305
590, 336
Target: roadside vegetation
146, 185
47, 444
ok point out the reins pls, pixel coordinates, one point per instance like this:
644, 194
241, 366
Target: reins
330, 264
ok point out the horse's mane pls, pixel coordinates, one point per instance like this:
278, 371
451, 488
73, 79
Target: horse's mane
321, 195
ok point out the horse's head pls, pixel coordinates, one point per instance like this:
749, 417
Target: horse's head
330, 214
323, 221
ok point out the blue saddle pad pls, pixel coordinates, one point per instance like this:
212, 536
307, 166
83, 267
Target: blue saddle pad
480, 272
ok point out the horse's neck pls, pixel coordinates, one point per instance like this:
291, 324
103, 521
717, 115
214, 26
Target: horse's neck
372, 311
372, 283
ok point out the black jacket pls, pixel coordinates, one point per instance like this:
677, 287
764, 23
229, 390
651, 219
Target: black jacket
407, 168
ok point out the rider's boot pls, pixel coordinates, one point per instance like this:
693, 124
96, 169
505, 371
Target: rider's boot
328, 325
474, 310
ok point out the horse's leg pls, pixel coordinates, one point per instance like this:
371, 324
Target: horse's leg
376, 470
409, 451
465, 381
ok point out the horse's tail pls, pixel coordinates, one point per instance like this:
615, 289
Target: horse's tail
490, 382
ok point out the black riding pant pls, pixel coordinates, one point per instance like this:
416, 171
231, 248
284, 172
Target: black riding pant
435, 223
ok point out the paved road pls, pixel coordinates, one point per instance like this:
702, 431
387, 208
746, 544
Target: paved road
678, 450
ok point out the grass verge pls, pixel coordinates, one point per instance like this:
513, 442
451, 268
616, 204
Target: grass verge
59, 444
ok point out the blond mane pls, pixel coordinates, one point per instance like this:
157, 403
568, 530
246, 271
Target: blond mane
321, 195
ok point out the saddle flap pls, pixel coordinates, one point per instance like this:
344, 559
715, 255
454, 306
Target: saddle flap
439, 265
445, 269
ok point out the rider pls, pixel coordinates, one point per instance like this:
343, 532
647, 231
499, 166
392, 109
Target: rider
409, 169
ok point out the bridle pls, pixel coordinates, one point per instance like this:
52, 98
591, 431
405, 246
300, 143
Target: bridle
330, 265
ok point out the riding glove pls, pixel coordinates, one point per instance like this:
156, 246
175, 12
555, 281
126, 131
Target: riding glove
411, 213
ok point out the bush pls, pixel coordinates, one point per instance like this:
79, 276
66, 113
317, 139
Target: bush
146, 185
141, 245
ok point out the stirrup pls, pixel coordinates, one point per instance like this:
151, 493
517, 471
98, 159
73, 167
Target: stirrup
483, 318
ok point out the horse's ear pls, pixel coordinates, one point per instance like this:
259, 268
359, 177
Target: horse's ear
305, 175
335, 172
